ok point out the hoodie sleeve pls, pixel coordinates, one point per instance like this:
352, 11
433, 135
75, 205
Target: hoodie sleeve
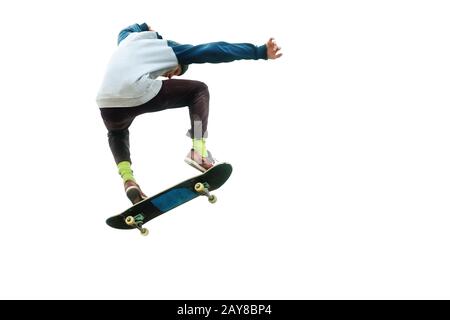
217, 52
130, 29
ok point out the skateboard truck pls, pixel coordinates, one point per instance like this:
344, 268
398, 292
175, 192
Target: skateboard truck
137, 222
202, 189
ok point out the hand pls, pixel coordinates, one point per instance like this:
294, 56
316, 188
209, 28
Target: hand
273, 49
174, 72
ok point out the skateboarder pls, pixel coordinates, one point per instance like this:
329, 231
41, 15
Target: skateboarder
131, 87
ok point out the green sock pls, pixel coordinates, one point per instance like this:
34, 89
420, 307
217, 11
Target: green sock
199, 145
125, 171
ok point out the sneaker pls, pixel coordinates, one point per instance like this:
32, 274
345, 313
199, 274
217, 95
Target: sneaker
200, 163
134, 192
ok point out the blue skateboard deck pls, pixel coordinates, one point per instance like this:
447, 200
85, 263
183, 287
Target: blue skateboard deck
148, 209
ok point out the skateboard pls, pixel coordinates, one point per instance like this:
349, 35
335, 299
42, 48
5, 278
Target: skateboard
142, 212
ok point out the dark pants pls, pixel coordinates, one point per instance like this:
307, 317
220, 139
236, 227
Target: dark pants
173, 94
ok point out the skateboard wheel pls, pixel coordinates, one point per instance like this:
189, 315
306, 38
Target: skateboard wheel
144, 232
129, 220
212, 199
199, 187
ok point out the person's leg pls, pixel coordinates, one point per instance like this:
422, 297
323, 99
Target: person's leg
177, 93
119, 143
117, 121
173, 94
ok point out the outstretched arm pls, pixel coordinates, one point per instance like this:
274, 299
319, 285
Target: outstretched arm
217, 52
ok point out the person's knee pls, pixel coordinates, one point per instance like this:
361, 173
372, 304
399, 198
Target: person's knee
202, 88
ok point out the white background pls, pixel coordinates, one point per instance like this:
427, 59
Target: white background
340, 151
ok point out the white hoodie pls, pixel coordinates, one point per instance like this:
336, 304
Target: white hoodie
130, 77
